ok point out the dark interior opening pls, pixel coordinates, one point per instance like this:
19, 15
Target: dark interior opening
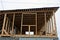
17, 23
33, 29
8, 24
24, 30
1, 22
29, 19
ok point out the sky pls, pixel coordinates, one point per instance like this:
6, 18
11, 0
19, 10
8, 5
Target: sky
24, 4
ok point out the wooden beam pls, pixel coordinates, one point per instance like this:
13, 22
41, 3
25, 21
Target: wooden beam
28, 11
13, 23
28, 25
49, 26
52, 25
4, 23
21, 23
55, 29
36, 23
45, 21
8, 26
29, 30
6, 32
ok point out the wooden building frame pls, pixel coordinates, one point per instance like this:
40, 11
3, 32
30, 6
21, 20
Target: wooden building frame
41, 21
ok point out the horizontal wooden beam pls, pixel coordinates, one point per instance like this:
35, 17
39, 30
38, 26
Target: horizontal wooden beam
28, 25
25, 12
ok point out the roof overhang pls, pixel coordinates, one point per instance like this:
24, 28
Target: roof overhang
46, 9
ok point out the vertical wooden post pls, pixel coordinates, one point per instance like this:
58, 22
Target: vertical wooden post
9, 27
21, 23
50, 25
45, 21
13, 23
29, 30
4, 22
47, 27
7, 24
36, 23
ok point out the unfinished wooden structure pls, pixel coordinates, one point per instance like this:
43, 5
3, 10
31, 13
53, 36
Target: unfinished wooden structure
40, 21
